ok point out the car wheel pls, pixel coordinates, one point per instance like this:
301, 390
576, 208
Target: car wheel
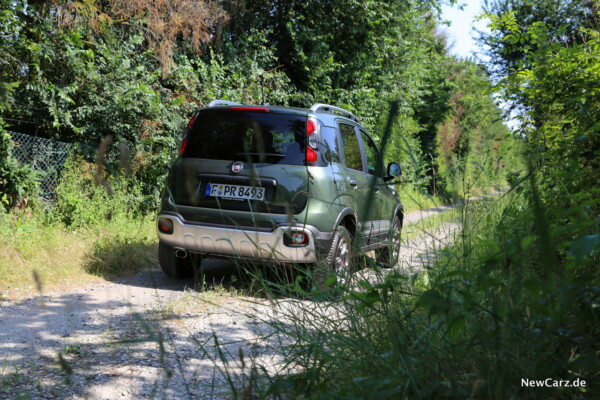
338, 263
177, 268
390, 254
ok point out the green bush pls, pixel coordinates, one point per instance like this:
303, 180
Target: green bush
87, 195
17, 182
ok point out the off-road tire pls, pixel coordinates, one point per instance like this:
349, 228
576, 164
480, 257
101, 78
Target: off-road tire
389, 255
173, 267
340, 261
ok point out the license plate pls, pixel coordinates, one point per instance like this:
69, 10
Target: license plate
237, 192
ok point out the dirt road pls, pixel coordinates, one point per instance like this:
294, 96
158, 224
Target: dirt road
148, 336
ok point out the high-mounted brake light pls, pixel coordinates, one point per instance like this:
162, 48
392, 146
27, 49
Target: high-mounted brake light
250, 109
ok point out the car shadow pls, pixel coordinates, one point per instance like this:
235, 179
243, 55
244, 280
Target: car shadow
215, 272
246, 278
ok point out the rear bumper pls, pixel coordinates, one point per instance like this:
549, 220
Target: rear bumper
243, 243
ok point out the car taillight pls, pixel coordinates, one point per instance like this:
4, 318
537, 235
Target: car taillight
190, 125
311, 155
312, 131
183, 145
311, 126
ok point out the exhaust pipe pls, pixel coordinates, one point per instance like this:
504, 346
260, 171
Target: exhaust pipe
181, 253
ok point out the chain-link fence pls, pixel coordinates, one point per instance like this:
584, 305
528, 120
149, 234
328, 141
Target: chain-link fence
45, 156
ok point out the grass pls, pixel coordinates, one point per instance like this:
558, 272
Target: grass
427, 225
414, 199
473, 324
467, 326
35, 256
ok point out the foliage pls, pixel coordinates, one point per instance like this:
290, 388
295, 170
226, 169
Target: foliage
94, 227
516, 297
17, 182
78, 85
558, 88
86, 196
323, 45
361, 60
563, 19
508, 310
475, 148
561, 106
252, 78
487, 315
164, 24
91, 70
124, 253
70, 256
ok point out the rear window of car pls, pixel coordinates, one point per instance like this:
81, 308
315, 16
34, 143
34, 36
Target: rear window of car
247, 136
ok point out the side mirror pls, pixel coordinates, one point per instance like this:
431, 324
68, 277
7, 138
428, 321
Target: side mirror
393, 171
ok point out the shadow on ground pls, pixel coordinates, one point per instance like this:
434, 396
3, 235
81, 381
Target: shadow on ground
130, 338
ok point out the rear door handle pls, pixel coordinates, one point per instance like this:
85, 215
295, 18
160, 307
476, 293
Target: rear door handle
353, 182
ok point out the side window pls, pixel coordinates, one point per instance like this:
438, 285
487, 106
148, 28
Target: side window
332, 150
372, 153
351, 147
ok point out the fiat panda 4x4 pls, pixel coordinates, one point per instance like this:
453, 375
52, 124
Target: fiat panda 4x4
280, 185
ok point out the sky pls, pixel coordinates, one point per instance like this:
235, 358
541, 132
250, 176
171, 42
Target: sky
460, 32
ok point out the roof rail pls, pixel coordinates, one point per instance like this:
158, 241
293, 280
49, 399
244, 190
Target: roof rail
216, 103
318, 107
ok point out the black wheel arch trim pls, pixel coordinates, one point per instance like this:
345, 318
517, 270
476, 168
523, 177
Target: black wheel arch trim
399, 211
343, 214
324, 240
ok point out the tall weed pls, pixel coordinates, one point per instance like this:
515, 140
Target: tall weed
505, 304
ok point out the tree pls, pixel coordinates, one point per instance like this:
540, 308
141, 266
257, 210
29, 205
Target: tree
164, 24
563, 20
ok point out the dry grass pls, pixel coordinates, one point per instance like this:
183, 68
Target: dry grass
413, 200
428, 225
34, 256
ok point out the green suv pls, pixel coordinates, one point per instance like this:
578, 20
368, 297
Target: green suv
280, 185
